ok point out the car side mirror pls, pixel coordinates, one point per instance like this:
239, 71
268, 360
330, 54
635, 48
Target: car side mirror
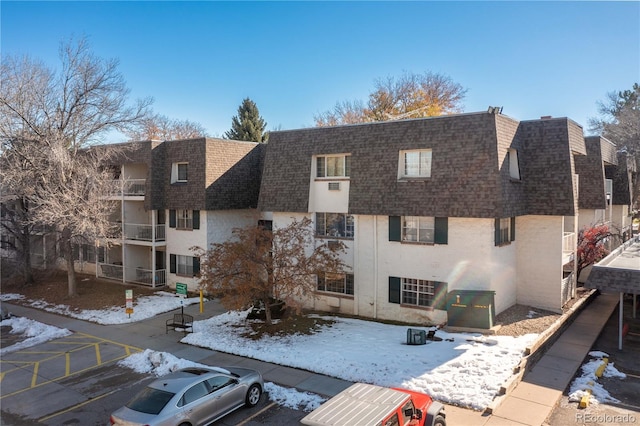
418, 414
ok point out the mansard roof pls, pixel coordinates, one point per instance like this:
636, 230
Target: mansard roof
469, 173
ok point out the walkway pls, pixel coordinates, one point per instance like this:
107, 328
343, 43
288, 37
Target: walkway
529, 403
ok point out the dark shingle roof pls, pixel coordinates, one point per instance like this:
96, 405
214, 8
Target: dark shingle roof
590, 169
469, 173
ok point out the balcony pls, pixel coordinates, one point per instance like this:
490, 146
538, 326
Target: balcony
137, 275
129, 187
143, 232
568, 247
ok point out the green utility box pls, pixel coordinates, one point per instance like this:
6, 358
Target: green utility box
471, 308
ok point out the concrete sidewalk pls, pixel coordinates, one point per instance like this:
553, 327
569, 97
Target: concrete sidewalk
530, 403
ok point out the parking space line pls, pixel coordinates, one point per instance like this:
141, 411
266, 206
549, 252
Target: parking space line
256, 414
66, 410
84, 340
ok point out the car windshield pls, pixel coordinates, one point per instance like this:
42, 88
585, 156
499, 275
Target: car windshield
150, 401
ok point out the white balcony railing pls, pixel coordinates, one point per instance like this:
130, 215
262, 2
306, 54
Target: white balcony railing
569, 242
143, 232
109, 270
130, 187
146, 276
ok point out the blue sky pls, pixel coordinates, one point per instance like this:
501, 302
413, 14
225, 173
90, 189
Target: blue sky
199, 60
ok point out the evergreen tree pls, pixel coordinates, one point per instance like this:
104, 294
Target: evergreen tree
247, 125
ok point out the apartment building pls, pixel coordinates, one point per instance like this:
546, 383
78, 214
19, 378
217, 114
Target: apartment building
172, 196
429, 208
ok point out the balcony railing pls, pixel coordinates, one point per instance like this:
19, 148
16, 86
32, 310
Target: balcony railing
143, 232
111, 271
135, 275
147, 276
130, 187
569, 242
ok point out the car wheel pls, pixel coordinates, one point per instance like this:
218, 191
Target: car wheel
439, 421
253, 395
184, 424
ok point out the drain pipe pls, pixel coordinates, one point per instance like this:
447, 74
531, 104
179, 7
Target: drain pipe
620, 318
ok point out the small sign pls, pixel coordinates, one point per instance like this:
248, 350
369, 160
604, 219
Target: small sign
181, 289
128, 294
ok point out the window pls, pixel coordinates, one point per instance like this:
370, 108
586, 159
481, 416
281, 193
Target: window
418, 229
337, 225
418, 293
514, 167
408, 410
219, 382
194, 393
505, 230
8, 242
89, 253
336, 283
179, 172
333, 166
186, 266
392, 421
415, 164
184, 219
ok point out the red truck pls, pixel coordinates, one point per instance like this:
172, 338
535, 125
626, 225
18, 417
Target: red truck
370, 405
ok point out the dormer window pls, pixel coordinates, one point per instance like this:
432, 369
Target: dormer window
514, 166
333, 166
414, 164
179, 172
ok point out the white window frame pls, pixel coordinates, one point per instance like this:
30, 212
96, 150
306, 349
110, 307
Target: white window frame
333, 166
184, 265
417, 292
419, 229
415, 163
347, 224
175, 172
184, 219
335, 283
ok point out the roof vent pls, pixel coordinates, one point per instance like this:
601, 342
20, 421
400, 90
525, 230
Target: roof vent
494, 110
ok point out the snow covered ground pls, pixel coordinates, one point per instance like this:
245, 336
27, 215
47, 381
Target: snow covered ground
462, 369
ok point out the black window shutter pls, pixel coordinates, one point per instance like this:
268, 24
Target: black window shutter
196, 266
196, 219
85, 252
497, 231
172, 263
441, 230
172, 218
395, 231
100, 255
394, 290
513, 229
440, 296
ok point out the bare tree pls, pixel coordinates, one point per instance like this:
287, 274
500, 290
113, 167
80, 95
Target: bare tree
47, 119
409, 96
161, 127
619, 119
264, 265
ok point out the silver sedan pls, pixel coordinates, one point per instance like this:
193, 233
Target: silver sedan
191, 397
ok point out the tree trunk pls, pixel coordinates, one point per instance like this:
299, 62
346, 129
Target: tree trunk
267, 311
27, 268
68, 257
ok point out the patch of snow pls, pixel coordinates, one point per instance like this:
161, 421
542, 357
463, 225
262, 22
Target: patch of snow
589, 380
10, 296
34, 331
532, 314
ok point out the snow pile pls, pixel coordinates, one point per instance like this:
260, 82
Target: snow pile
588, 380
462, 369
34, 331
144, 307
162, 363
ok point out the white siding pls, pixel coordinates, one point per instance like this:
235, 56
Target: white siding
539, 261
